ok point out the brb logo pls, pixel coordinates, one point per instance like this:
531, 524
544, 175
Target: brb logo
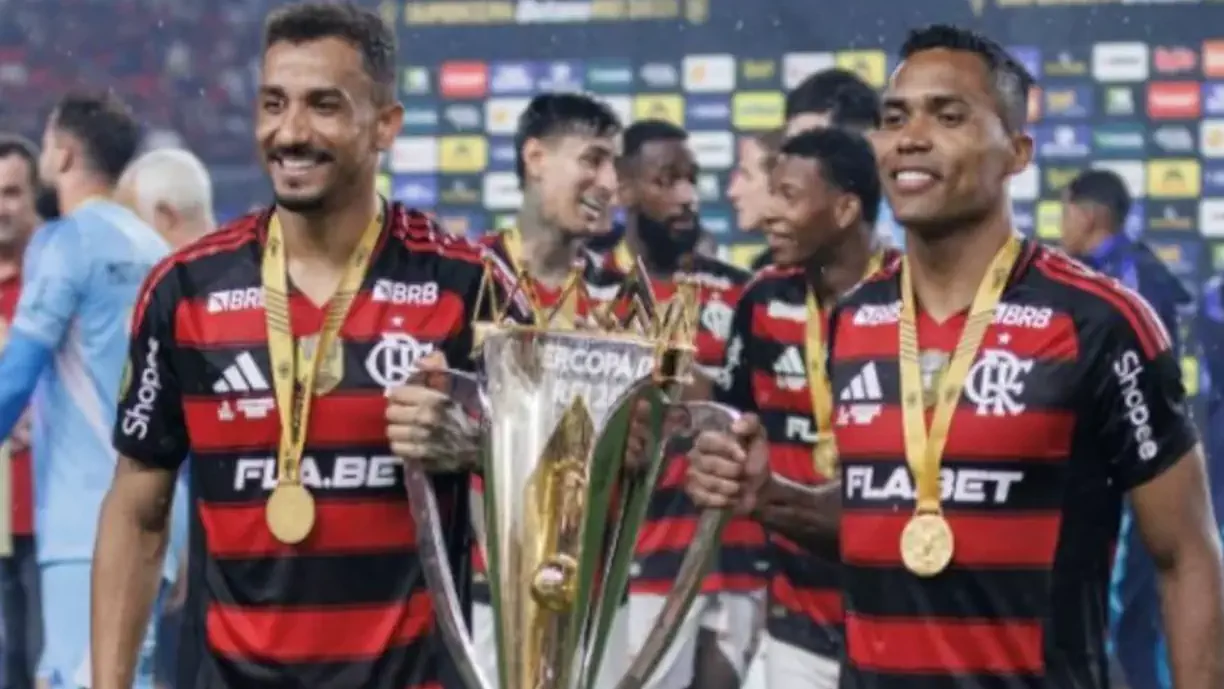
137, 417
1127, 369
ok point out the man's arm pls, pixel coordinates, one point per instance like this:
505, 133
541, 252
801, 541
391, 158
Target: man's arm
133, 529
1144, 430
151, 439
807, 515
53, 281
1175, 520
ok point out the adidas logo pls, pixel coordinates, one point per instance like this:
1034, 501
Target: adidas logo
863, 387
790, 369
861, 398
241, 376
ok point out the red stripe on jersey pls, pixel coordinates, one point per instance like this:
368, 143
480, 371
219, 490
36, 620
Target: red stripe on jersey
317, 635
795, 462
778, 328
791, 394
823, 606
339, 419
1057, 341
714, 582
195, 327
340, 527
1148, 329
225, 239
980, 540
677, 533
944, 647
1031, 435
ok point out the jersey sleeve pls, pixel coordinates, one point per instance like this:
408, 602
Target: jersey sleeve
54, 280
733, 386
1138, 406
150, 426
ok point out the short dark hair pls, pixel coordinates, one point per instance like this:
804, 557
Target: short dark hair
104, 126
1009, 80
558, 114
845, 160
1103, 188
769, 142
17, 145
364, 29
848, 100
644, 132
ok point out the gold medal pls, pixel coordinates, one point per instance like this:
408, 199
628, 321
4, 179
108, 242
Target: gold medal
927, 544
300, 371
290, 513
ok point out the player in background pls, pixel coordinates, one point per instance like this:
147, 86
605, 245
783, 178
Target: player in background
1095, 207
170, 189
748, 190
822, 234
79, 285
567, 147
829, 98
20, 602
321, 585
661, 226
1076, 399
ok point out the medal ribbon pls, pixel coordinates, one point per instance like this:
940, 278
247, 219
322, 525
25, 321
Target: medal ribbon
818, 376
512, 240
295, 389
923, 448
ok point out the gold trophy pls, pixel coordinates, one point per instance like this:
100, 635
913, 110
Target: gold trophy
562, 507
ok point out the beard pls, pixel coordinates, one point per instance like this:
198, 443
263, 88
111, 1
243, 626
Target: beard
667, 246
46, 204
302, 204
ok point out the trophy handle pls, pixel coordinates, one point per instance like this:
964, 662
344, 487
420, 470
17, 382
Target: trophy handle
700, 416
464, 389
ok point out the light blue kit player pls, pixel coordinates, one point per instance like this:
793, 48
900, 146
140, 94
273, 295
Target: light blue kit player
65, 356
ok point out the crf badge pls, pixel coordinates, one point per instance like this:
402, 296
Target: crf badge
392, 361
996, 382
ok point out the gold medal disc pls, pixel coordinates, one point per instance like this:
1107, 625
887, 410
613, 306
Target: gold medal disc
927, 544
290, 513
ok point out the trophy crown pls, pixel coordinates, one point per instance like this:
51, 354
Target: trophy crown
635, 311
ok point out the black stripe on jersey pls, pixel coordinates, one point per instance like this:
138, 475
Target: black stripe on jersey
995, 486
1038, 391
413, 666
967, 594
384, 577
852, 678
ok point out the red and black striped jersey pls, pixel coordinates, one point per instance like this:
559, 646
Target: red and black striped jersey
602, 286
671, 518
1074, 398
348, 606
766, 374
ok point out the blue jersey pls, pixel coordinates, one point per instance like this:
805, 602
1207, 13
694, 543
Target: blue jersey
80, 282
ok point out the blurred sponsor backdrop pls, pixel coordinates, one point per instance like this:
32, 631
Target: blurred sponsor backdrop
1135, 86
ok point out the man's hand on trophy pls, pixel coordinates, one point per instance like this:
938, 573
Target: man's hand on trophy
729, 470
425, 424
642, 436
